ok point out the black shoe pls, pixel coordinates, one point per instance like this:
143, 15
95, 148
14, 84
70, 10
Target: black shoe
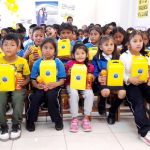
101, 108
111, 118
30, 126
59, 125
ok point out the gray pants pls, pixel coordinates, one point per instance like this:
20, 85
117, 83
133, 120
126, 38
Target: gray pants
74, 99
17, 104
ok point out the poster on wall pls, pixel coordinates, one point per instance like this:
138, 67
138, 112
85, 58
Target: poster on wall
67, 9
143, 8
46, 12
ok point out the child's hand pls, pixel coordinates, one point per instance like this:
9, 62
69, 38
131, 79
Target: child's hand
52, 85
28, 52
40, 86
35, 56
102, 79
148, 83
135, 80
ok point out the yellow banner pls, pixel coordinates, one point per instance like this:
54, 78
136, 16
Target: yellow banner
143, 8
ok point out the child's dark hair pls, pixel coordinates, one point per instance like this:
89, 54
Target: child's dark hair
52, 41
69, 17
96, 28
80, 45
66, 26
32, 26
105, 38
11, 36
38, 28
137, 32
120, 30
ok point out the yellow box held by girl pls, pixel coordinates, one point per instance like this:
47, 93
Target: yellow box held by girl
48, 71
115, 70
92, 52
78, 77
139, 67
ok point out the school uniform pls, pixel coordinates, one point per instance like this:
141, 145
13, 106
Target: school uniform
136, 94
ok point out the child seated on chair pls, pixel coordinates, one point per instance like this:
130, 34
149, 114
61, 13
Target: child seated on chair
49, 91
106, 52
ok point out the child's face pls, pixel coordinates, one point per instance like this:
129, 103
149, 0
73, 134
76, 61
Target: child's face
145, 39
50, 32
80, 55
81, 35
118, 38
3, 33
74, 36
94, 37
10, 48
48, 51
136, 43
107, 47
66, 34
30, 33
38, 37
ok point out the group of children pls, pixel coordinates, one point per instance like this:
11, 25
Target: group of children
110, 47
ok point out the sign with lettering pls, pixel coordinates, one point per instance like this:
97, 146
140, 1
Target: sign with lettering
143, 8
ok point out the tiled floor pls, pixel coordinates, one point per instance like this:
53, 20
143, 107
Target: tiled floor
121, 136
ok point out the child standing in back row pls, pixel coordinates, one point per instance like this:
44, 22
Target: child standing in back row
79, 56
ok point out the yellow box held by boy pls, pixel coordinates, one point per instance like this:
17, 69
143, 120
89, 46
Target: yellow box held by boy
78, 77
115, 74
139, 67
64, 47
48, 71
7, 77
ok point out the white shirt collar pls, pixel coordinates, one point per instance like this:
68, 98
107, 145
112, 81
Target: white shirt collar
107, 57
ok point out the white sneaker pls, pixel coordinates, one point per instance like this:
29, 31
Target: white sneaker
16, 131
4, 135
146, 138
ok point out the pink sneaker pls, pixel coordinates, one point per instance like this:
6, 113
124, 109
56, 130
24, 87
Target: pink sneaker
146, 138
86, 125
74, 125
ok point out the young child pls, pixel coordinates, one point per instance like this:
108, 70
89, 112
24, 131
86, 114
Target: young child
38, 35
119, 36
66, 32
50, 91
106, 52
10, 48
137, 90
51, 32
80, 56
95, 35
4, 32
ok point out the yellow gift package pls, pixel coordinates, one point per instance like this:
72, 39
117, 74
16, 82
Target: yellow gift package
139, 67
48, 71
115, 70
78, 77
7, 77
64, 47
92, 52
34, 49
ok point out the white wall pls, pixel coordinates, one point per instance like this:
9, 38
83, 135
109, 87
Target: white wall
123, 12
